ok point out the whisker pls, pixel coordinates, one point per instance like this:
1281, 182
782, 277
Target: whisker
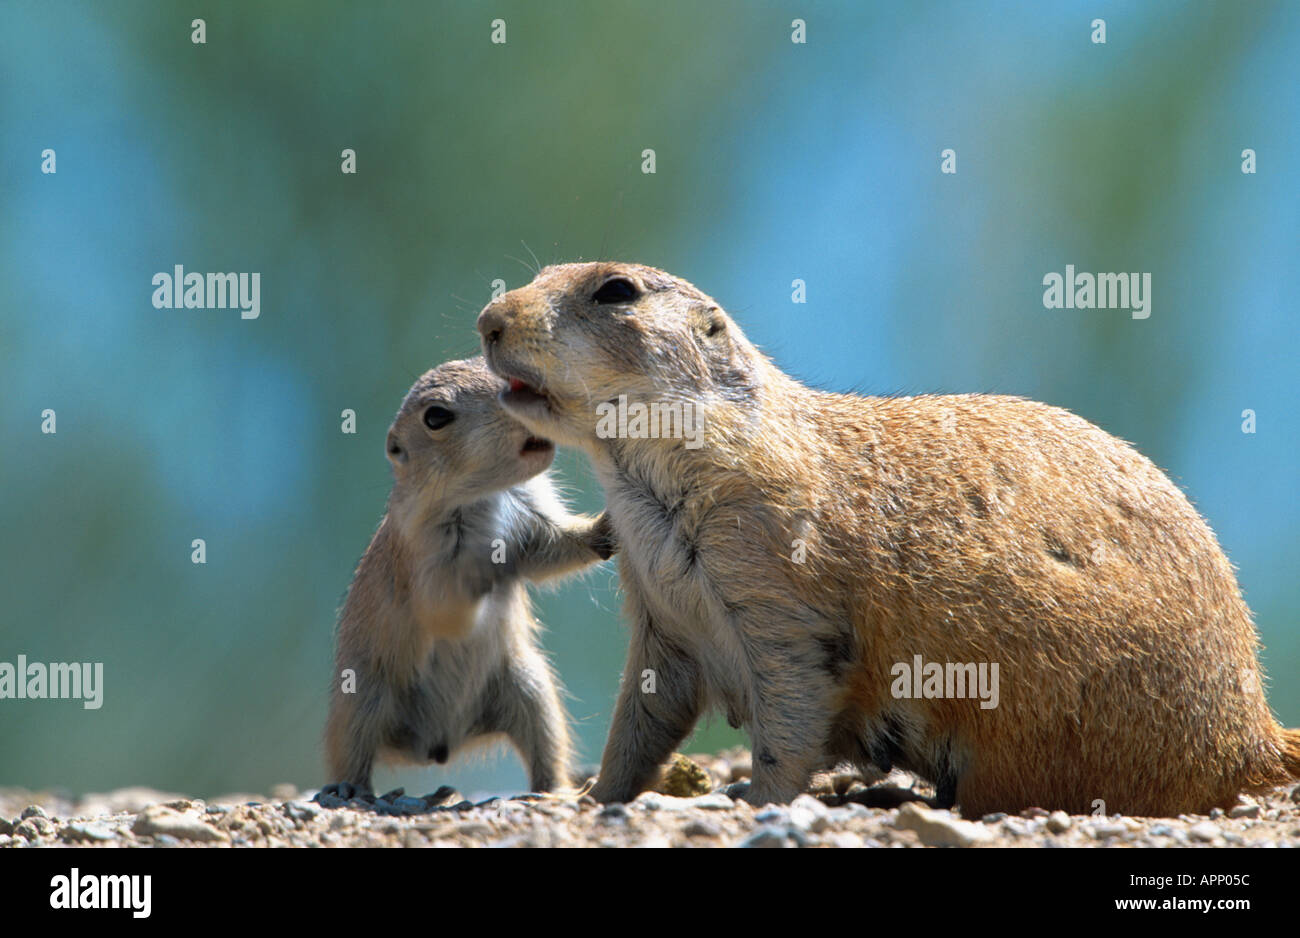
522, 263
534, 256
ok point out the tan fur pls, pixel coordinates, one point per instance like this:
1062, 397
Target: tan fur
962, 528
438, 632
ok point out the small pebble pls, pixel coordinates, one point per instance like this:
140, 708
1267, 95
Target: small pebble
1017, 827
702, 828
613, 814
160, 821
653, 801
769, 836
1058, 822
87, 832
301, 810
1106, 831
940, 828
28, 830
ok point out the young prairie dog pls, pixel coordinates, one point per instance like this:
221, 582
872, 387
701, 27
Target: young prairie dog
810, 544
436, 629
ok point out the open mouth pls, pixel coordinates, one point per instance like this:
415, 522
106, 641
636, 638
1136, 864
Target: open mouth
522, 394
535, 444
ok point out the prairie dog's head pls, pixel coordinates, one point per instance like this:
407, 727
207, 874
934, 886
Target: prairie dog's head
582, 335
451, 443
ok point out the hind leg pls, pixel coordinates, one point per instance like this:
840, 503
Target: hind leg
353, 733
525, 706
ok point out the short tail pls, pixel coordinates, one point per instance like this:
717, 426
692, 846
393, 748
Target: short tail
1291, 752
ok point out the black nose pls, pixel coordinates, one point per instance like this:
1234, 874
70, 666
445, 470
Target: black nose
491, 323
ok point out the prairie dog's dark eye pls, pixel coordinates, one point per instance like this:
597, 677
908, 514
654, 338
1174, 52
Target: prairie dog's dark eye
435, 418
714, 327
616, 290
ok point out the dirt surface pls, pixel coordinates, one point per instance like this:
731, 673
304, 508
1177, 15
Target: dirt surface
842, 809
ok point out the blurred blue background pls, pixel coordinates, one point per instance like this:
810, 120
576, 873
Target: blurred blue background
775, 161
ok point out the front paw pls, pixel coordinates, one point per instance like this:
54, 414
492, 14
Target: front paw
343, 790
759, 795
610, 794
600, 537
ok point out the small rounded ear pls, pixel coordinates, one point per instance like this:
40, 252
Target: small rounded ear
710, 323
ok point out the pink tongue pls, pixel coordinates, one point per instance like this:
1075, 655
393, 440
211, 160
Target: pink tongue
516, 384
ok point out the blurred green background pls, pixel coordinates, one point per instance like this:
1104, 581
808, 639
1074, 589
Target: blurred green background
775, 161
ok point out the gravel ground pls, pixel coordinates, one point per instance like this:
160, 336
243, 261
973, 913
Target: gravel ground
692, 808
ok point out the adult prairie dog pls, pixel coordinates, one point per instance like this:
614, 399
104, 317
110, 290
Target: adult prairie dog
437, 646
810, 544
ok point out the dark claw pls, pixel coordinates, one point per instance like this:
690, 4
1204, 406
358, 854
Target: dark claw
884, 796
736, 790
344, 790
440, 796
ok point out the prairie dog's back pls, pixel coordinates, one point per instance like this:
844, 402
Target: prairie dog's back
998, 530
